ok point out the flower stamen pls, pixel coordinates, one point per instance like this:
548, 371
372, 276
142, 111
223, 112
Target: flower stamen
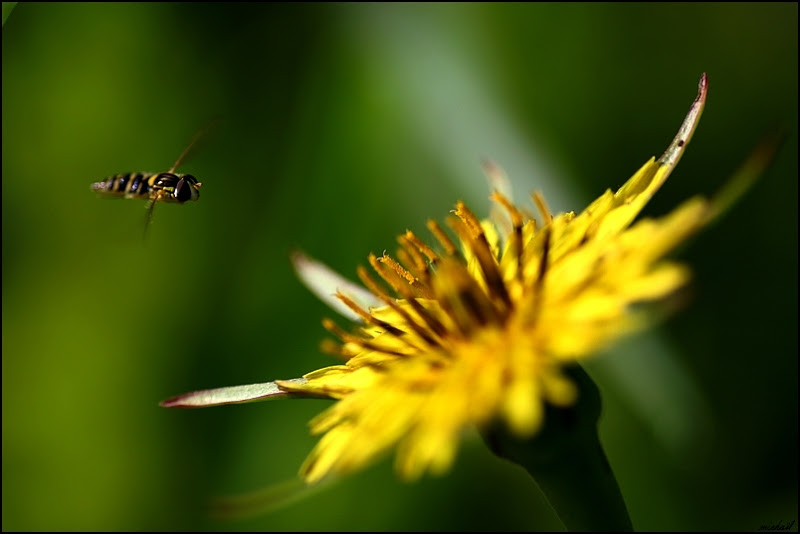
479, 246
368, 317
404, 274
445, 241
541, 205
422, 247
333, 328
375, 288
414, 260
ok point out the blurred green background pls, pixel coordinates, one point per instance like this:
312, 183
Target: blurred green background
343, 125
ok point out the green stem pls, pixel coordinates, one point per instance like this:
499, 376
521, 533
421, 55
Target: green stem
568, 463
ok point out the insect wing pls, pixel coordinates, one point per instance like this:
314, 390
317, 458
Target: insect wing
199, 135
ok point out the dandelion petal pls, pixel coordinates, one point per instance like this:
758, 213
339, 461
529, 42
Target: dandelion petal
231, 395
325, 283
678, 146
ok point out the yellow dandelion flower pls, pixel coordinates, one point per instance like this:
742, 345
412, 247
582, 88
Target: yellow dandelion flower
480, 327
484, 325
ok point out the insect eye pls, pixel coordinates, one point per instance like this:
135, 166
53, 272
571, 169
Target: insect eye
183, 191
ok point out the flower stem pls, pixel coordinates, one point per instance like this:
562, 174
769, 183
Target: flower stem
568, 463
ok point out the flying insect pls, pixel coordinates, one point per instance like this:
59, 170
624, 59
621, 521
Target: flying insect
168, 187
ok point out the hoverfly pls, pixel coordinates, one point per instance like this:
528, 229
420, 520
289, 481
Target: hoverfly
154, 187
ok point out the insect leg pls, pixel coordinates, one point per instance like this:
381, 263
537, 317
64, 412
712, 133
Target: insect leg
151, 204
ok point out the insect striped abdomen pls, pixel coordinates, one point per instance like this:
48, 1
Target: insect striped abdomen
128, 185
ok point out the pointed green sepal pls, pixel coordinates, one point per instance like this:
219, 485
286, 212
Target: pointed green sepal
264, 500
753, 167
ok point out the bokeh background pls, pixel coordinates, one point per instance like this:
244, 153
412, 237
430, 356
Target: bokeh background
343, 125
